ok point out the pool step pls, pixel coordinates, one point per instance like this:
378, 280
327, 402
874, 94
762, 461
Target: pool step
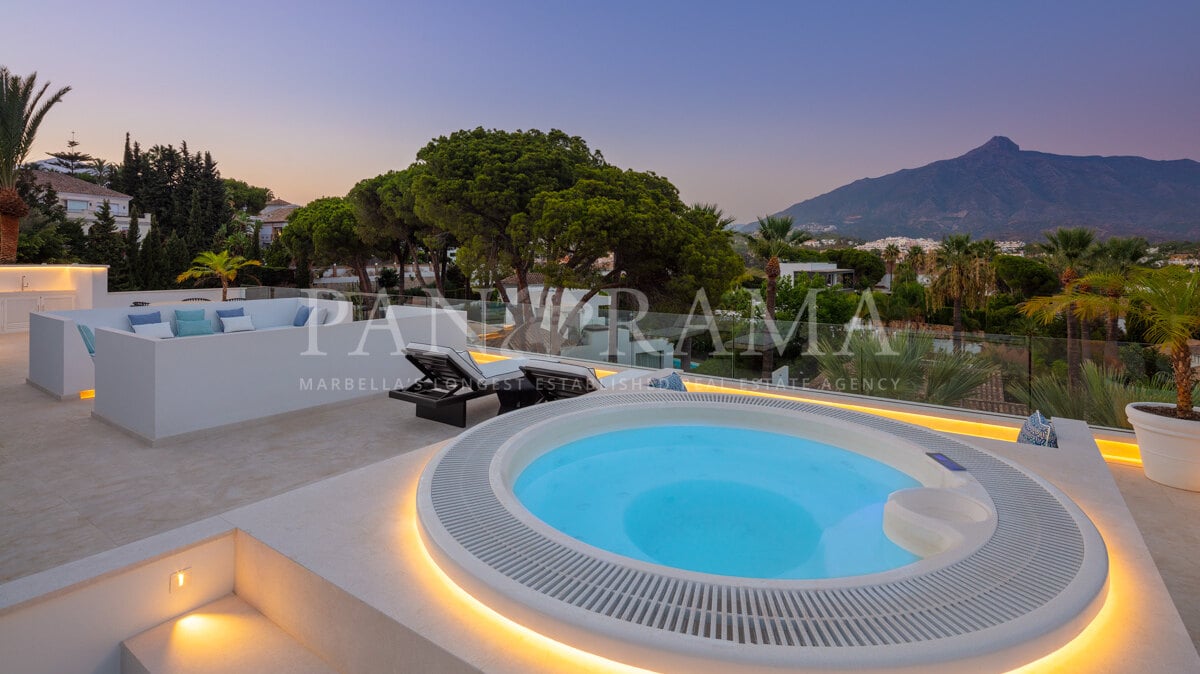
227, 635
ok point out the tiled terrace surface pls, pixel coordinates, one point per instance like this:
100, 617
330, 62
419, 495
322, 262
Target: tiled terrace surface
72, 486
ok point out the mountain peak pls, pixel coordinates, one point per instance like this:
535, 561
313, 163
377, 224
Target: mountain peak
999, 191
997, 145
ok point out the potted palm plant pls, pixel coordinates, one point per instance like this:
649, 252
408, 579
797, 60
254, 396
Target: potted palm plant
1168, 302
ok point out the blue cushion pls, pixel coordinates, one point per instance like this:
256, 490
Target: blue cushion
302, 315
671, 382
89, 338
189, 314
144, 319
1038, 430
193, 328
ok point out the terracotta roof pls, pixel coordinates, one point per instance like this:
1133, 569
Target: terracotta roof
533, 278
61, 182
279, 214
277, 202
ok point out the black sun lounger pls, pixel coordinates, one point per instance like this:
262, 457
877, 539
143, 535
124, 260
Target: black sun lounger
451, 378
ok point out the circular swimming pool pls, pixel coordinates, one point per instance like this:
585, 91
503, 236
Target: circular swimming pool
997, 566
720, 499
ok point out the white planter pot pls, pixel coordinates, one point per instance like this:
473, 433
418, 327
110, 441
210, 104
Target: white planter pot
1170, 447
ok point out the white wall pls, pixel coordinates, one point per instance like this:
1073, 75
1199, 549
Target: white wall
125, 299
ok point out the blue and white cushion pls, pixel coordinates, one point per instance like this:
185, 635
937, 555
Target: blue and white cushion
1038, 430
671, 382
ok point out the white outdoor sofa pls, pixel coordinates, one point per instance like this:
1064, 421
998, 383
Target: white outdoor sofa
159, 389
59, 361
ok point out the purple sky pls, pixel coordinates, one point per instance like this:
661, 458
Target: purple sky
753, 106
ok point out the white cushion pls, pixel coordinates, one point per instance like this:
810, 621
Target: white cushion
154, 330
237, 324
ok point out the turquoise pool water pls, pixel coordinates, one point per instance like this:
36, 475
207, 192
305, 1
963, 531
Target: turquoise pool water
721, 500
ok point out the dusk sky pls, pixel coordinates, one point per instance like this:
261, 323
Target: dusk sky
750, 105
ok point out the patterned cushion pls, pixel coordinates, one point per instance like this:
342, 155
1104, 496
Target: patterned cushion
1038, 430
671, 382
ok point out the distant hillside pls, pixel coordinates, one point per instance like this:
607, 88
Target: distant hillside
1001, 191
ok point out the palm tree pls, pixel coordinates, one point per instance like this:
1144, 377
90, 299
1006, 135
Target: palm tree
221, 265
963, 277
1168, 301
775, 237
1070, 249
916, 258
891, 255
21, 113
1096, 296
913, 370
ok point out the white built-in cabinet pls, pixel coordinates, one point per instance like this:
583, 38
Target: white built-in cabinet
16, 307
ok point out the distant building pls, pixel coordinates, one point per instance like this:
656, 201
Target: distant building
82, 199
1184, 260
901, 242
273, 218
828, 272
274, 205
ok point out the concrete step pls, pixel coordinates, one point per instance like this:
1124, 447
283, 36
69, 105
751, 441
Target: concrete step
227, 635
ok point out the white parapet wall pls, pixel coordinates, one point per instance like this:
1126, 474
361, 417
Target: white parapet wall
59, 362
159, 389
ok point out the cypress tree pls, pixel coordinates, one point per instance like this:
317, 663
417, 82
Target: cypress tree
176, 256
131, 272
153, 261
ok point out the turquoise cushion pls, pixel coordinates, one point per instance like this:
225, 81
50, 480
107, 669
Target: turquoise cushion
189, 314
671, 382
144, 319
89, 338
1038, 430
193, 328
302, 315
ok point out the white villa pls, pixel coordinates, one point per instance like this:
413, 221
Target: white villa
82, 199
273, 218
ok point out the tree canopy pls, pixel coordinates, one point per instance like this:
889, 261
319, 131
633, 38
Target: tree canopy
479, 186
245, 197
